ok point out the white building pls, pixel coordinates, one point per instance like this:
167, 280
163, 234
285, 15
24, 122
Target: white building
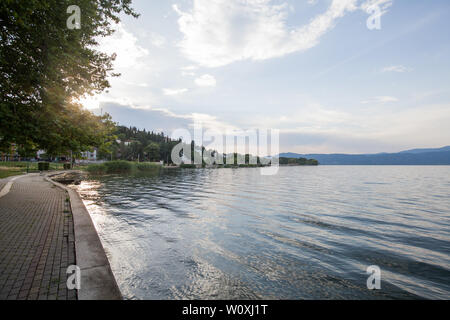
91, 156
39, 153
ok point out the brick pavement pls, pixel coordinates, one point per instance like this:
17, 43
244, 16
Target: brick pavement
3, 183
36, 241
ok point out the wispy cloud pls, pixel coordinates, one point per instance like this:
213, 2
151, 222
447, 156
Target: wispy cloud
125, 45
384, 5
206, 80
157, 40
398, 68
189, 68
188, 73
174, 92
217, 33
380, 100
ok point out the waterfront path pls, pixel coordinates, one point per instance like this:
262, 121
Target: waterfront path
37, 241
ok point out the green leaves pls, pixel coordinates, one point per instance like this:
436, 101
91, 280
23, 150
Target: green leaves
152, 151
44, 66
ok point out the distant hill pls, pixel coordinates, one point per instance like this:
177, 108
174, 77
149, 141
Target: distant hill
443, 149
438, 156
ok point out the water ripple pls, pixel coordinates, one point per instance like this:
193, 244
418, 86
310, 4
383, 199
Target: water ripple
305, 233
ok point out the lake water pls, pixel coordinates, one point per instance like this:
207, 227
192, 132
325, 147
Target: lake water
305, 233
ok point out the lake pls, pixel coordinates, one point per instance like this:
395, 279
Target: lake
305, 233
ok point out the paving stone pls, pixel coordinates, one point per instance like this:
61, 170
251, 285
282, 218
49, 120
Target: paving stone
36, 240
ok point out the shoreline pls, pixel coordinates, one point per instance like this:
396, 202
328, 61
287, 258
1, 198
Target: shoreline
97, 279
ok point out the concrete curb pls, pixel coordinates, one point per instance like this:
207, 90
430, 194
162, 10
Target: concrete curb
97, 279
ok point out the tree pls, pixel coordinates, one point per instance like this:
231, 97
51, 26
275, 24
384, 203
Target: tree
45, 66
152, 151
133, 151
247, 158
78, 130
192, 151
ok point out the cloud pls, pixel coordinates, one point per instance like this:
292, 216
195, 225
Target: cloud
150, 118
380, 99
157, 40
398, 68
188, 71
144, 117
206, 80
188, 74
217, 33
384, 5
174, 92
314, 129
125, 45
189, 68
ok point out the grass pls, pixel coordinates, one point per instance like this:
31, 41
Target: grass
33, 166
147, 166
193, 166
5, 173
122, 166
95, 168
13, 168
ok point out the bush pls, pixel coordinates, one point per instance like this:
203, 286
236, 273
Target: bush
43, 166
147, 166
119, 166
67, 166
96, 168
188, 166
122, 166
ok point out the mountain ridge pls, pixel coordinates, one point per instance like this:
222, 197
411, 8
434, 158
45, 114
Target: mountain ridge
429, 156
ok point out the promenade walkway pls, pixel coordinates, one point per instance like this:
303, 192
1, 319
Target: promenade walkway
37, 241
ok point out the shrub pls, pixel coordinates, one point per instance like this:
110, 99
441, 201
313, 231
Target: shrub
147, 166
189, 166
248, 166
120, 166
43, 166
96, 168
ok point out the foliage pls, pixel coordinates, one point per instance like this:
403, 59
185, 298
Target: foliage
118, 166
188, 166
152, 151
298, 161
96, 168
121, 166
147, 166
133, 144
43, 166
45, 67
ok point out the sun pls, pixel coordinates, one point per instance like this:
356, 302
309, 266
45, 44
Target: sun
89, 102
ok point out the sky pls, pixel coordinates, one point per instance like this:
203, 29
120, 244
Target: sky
320, 71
